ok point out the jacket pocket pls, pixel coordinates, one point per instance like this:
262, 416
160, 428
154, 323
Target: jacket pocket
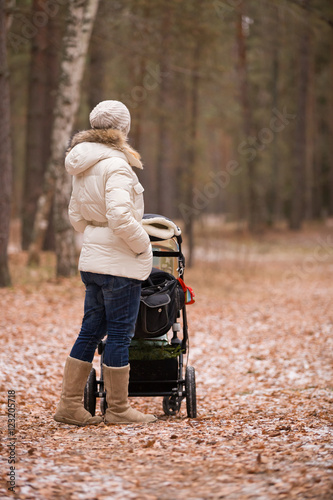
137, 194
138, 188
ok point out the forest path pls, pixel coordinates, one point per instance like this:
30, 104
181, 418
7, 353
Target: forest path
261, 344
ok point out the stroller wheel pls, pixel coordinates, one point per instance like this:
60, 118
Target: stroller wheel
90, 392
171, 404
191, 397
103, 405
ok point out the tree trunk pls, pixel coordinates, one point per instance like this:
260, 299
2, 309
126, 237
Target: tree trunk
163, 172
191, 156
98, 57
277, 171
42, 78
57, 182
53, 68
254, 216
137, 111
5, 151
331, 136
139, 65
310, 130
276, 185
317, 183
298, 171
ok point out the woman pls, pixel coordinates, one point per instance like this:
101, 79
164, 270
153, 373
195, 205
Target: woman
107, 207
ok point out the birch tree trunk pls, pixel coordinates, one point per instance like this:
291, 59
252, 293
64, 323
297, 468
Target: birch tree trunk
57, 184
5, 151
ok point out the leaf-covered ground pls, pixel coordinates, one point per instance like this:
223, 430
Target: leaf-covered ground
261, 342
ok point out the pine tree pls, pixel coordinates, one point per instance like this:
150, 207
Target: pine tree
5, 150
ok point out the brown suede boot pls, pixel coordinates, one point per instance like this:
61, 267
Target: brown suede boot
119, 410
70, 409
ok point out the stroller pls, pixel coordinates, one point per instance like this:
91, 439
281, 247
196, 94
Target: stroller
156, 353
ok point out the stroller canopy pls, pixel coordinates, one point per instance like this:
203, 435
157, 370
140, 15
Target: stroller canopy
159, 227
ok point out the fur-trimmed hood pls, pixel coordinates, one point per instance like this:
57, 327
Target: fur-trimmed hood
109, 138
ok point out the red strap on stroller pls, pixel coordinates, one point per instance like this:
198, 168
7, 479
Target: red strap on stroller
189, 294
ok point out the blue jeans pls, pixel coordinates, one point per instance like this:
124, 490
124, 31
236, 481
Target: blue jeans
111, 307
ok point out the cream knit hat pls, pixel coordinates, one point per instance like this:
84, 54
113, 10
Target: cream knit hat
111, 114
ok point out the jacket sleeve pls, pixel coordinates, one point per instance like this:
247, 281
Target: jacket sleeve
75, 218
119, 210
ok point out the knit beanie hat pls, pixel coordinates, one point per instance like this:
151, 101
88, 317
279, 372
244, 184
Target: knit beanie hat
111, 114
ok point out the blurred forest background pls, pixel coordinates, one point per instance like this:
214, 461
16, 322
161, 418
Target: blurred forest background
231, 104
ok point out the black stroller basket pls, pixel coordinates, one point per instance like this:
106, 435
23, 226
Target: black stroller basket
157, 351
162, 298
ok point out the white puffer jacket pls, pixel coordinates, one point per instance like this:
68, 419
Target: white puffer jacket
107, 205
